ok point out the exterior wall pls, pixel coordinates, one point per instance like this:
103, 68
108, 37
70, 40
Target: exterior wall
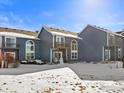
91, 47
22, 48
123, 48
115, 42
68, 41
22, 44
68, 46
46, 44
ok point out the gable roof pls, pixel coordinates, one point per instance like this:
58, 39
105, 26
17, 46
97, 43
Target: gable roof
56, 31
18, 33
105, 30
119, 32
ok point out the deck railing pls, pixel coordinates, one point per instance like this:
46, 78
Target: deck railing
9, 45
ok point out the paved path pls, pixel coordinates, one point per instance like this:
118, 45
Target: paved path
84, 71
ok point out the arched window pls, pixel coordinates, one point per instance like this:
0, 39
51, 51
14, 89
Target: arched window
30, 50
74, 49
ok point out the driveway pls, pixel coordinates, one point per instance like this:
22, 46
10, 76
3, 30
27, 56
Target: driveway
86, 71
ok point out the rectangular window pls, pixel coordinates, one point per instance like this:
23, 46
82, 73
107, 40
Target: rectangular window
60, 39
10, 42
119, 52
30, 56
74, 55
107, 55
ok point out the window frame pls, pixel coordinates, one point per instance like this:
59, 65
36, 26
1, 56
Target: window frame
119, 52
31, 51
74, 53
59, 39
9, 42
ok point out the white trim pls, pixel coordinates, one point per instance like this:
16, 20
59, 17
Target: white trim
103, 53
53, 41
61, 55
9, 37
108, 54
66, 54
74, 51
51, 55
61, 34
107, 39
119, 52
58, 52
30, 51
122, 33
60, 38
14, 34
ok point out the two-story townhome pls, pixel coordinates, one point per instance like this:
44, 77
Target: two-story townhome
122, 33
58, 45
99, 44
21, 44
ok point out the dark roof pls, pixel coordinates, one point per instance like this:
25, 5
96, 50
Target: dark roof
119, 32
30, 33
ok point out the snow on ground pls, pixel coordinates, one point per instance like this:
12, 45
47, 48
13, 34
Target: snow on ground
86, 71
62, 80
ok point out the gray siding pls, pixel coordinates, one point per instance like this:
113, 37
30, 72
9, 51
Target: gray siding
47, 43
68, 41
22, 49
68, 45
90, 48
123, 48
22, 44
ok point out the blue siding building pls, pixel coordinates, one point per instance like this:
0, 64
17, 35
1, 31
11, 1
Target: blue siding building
100, 44
57, 45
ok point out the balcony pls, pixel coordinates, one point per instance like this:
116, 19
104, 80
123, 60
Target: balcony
10, 46
61, 45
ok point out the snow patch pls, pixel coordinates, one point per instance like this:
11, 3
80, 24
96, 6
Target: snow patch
16, 35
62, 80
66, 35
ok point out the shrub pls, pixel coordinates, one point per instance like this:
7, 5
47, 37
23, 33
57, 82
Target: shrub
9, 58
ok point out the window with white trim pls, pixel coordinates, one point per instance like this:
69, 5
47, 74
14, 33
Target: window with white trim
30, 50
119, 52
10, 42
107, 54
60, 39
74, 49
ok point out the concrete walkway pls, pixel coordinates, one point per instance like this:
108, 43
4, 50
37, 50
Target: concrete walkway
84, 71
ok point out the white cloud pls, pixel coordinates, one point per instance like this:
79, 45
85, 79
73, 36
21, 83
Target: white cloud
13, 21
98, 12
16, 18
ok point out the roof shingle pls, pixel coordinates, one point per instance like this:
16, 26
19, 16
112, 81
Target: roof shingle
61, 32
30, 33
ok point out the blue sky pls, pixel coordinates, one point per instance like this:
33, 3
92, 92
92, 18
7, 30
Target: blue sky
72, 15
